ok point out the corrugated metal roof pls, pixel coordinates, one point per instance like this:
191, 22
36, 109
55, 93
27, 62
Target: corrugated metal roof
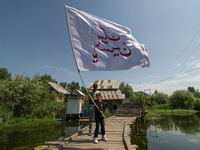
105, 84
110, 95
77, 92
58, 88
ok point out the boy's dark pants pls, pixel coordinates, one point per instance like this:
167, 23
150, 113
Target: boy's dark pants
96, 132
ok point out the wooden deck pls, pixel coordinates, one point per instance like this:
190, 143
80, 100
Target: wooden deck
115, 130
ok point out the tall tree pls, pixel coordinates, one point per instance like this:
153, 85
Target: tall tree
64, 84
195, 92
83, 90
73, 86
126, 89
4, 74
46, 77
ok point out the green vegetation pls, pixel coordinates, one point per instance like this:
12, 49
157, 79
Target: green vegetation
24, 123
183, 102
107, 114
28, 99
161, 112
25, 102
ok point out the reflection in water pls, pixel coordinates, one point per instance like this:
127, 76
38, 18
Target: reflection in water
12, 138
169, 132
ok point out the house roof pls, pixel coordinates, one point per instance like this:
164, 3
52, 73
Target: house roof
106, 84
111, 95
58, 88
145, 94
77, 92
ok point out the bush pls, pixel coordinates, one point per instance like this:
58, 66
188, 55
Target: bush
5, 114
182, 99
197, 104
160, 98
159, 107
49, 110
107, 113
20, 94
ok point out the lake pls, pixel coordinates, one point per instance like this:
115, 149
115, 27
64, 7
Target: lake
28, 138
167, 133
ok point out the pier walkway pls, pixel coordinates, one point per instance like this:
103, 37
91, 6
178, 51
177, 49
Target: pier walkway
115, 130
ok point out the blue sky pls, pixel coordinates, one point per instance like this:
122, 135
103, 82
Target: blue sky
34, 39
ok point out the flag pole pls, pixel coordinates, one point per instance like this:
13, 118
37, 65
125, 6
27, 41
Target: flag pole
77, 64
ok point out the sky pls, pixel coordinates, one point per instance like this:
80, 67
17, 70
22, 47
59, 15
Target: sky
34, 38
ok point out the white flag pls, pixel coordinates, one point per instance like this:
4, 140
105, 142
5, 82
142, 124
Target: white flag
99, 44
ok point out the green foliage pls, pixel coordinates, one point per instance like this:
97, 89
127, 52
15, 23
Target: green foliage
53, 95
155, 92
49, 110
73, 86
4, 74
182, 99
195, 92
107, 113
160, 98
46, 77
133, 98
197, 104
5, 114
161, 112
21, 93
138, 97
84, 91
126, 89
64, 84
159, 107
24, 123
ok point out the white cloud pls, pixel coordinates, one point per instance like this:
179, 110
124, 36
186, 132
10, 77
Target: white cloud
194, 141
191, 64
61, 68
178, 65
153, 76
46, 66
192, 57
170, 86
66, 70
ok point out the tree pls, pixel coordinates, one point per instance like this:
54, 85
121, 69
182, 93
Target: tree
21, 95
195, 92
126, 89
64, 84
4, 74
191, 89
160, 98
155, 92
182, 99
73, 86
84, 91
46, 77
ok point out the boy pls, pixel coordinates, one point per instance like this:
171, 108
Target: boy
99, 118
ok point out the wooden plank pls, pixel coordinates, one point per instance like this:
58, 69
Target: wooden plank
114, 132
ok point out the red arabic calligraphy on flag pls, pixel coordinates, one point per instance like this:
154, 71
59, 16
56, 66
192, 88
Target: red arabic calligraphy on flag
100, 44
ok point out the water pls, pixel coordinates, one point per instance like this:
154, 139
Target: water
167, 133
28, 138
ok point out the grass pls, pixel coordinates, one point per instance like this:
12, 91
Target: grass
107, 114
161, 112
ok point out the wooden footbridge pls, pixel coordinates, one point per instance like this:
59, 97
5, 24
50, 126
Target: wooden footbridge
117, 131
